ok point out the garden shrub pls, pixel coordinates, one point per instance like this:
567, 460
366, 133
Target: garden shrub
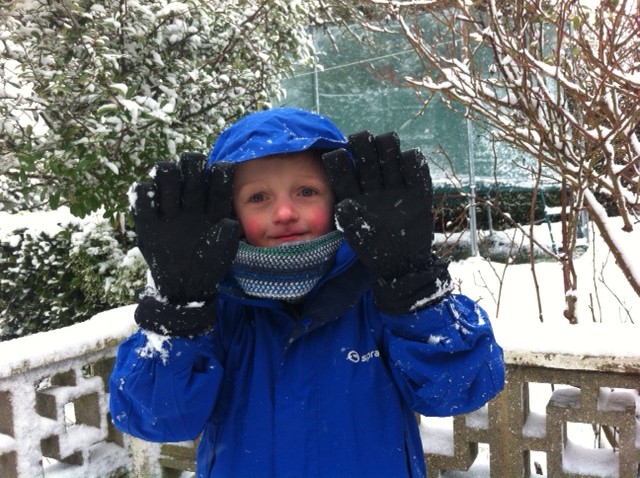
50, 280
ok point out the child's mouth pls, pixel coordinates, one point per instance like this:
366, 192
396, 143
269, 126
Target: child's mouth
289, 238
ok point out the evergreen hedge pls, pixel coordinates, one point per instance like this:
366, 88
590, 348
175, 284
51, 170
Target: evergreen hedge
50, 280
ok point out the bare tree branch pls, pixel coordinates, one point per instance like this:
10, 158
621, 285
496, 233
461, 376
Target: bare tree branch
555, 79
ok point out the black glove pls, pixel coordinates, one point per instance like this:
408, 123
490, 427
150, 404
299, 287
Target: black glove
385, 211
184, 234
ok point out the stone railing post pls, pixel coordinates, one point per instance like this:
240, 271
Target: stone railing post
144, 458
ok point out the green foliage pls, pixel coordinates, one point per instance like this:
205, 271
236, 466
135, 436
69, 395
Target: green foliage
34, 279
92, 94
52, 280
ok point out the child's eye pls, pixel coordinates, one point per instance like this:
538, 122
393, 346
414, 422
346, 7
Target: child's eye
258, 197
307, 192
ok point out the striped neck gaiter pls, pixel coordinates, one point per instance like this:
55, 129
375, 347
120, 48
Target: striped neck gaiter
286, 272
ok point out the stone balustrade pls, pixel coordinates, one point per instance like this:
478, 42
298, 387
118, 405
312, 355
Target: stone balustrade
54, 420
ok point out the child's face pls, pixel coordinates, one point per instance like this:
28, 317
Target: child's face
283, 198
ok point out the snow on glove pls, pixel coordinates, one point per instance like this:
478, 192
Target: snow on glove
188, 241
385, 211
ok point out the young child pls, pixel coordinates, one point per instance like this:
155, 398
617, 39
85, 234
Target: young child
298, 317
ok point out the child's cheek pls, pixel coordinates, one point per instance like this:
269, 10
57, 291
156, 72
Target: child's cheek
252, 229
322, 221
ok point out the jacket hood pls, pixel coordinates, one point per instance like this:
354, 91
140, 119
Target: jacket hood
276, 131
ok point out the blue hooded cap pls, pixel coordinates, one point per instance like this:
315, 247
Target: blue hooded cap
276, 131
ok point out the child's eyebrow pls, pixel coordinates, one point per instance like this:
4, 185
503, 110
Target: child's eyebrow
311, 176
251, 184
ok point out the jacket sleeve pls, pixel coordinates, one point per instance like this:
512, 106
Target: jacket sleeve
444, 358
164, 388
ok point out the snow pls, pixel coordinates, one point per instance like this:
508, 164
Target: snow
580, 459
44, 348
156, 345
437, 435
38, 221
535, 426
587, 340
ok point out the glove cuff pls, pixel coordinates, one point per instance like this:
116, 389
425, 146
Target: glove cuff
414, 290
182, 320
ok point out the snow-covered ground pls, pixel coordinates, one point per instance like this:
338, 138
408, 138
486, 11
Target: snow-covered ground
508, 292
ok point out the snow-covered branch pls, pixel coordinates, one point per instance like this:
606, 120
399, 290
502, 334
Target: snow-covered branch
92, 94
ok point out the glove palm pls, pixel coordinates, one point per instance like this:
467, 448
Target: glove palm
385, 210
182, 227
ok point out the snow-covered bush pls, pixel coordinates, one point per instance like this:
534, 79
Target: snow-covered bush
50, 279
93, 93
34, 284
110, 267
16, 195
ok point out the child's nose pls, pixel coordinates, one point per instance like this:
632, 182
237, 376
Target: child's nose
285, 211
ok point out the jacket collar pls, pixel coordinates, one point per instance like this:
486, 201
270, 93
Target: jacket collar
334, 294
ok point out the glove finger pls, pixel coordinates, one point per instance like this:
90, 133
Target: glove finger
227, 237
193, 185
144, 210
388, 146
341, 174
364, 151
213, 257
416, 172
362, 231
220, 200
168, 182
143, 201
418, 178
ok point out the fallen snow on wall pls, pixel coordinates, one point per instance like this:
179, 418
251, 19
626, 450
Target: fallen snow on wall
575, 344
104, 329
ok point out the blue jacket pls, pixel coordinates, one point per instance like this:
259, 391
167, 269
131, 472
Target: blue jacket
330, 393
328, 390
